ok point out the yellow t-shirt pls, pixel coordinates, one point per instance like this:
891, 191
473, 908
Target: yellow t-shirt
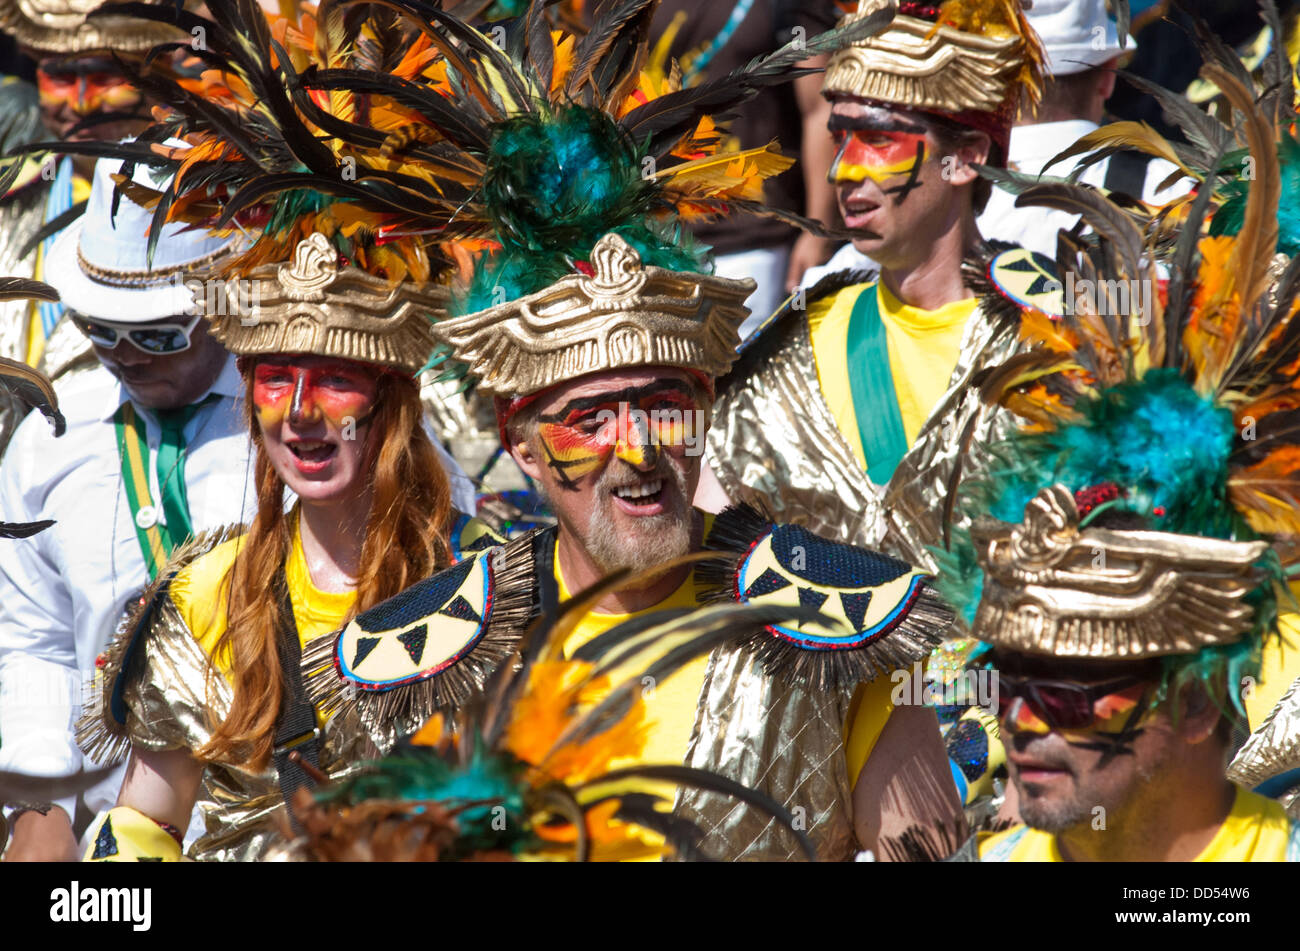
923, 349
1279, 666
672, 706
1256, 830
199, 593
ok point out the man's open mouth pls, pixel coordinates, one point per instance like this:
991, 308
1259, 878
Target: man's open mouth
641, 498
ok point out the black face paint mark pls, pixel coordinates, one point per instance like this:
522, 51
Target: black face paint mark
900, 192
560, 468
1111, 745
842, 123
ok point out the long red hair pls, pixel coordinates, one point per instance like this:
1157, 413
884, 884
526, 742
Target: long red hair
406, 540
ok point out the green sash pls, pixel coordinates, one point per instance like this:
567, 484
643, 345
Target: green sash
157, 537
871, 381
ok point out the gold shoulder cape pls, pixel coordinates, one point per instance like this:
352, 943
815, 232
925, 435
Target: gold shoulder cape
775, 444
782, 682
155, 690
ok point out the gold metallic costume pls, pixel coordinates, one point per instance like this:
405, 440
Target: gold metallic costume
775, 443
173, 702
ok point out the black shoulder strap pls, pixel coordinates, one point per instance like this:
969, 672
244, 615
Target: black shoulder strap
548, 592
295, 730
1126, 172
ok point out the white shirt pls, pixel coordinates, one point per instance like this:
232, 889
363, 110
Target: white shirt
1033, 227
63, 591
1030, 149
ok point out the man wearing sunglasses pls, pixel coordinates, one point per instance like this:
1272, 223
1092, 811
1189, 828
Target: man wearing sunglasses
155, 450
1117, 655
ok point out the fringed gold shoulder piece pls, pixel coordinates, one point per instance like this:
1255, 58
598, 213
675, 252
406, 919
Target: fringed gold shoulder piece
102, 730
429, 649
860, 613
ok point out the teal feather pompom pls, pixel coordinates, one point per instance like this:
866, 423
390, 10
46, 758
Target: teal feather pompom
1161, 442
556, 183
488, 792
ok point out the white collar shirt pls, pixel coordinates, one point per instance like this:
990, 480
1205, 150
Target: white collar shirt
63, 591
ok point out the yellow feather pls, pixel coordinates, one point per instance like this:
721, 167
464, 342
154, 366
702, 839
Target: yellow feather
727, 170
1127, 134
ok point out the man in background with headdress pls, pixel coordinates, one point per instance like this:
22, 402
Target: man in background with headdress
77, 79
845, 414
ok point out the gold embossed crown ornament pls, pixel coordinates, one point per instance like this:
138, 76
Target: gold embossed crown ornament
960, 57
1053, 588
317, 304
621, 315
62, 27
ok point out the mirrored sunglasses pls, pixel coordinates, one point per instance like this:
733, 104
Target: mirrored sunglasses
1061, 704
153, 339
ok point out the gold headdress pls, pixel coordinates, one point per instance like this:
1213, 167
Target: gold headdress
623, 315
969, 59
315, 306
1160, 411
1053, 588
62, 27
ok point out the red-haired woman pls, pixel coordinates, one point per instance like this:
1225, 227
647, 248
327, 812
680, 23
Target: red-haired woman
204, 680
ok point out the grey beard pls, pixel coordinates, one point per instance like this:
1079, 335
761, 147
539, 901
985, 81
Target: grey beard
1055, 819
656, 539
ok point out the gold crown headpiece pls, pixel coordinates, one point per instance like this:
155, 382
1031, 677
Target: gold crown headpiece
62, 27
622, 315
1053, 588
971, 57
315, 306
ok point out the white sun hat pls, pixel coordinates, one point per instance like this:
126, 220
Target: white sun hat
99, 263
1077, 34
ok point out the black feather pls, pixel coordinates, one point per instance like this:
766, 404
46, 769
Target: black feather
710, 782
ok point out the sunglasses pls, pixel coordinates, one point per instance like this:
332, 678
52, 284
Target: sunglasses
153, 339
1061, 704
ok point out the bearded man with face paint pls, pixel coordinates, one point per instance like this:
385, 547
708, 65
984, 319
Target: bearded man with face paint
1124, 570
613, 435
1119, 755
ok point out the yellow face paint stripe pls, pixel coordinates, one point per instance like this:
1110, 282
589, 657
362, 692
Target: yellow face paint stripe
848, 172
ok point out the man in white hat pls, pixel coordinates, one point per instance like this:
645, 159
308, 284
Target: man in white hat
1083, 52
155, 449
